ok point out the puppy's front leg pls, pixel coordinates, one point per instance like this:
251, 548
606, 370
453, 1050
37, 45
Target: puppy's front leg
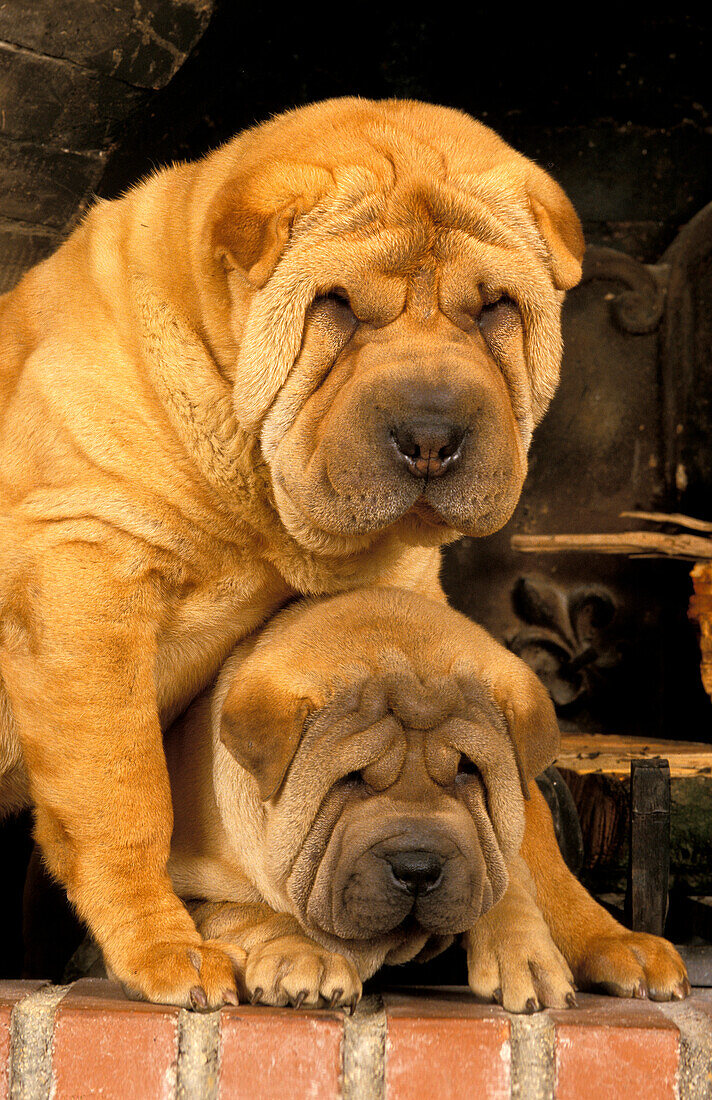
78, 659
511, 957
281, 964
601, 952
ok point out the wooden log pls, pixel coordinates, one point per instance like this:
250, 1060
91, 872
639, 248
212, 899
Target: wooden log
701, 611
649, 852
597, 770
632, 543
610, 754
691, 522
50, 102
45, 187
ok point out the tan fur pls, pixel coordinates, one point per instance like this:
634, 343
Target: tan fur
415, 681
188, 440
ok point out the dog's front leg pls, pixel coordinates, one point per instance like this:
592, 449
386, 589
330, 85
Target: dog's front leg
601, 952
78, 659
511, 957
280, 963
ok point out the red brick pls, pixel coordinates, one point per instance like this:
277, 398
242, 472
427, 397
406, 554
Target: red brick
10, 994
106, 1045
273, 1053
445, 1045
614, 1049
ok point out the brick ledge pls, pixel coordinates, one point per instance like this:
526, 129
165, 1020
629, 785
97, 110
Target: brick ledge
88, 1040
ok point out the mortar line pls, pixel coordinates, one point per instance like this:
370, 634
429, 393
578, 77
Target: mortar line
532, 1065
31, 1031
695, 1057
197, 1074
365, 1051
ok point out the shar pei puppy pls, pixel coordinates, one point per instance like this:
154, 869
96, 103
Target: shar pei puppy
297, 366
338, 815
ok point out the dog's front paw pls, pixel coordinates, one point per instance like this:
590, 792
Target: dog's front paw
523, 970
295, 970
511, 957
632, 964
199, 976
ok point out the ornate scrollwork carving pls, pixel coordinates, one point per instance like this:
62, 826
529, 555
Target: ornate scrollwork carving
639, 309
566, 638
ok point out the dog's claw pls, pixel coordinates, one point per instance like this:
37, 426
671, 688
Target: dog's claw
497, 996
198, 997
531, 1006
571, 1001
682, 990
256, 996
335, 998
230, 997
300, 998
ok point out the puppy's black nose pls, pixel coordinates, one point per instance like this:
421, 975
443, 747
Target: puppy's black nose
428, 446
416, 871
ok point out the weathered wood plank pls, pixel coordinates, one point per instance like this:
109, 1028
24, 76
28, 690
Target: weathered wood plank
45, 186
649, 865
611, 754
58, 104
635, 543
21, 246
141, 42
597, 771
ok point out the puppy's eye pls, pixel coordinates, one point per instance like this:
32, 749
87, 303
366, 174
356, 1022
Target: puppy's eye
498, 319
336, 307
466, 768
353, 779
495, 305
338, 294
339, 301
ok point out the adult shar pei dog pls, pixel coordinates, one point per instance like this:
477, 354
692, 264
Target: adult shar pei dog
336, 815
299, 365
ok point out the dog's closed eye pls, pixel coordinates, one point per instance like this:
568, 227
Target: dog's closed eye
338, 305
498, 312
465, 767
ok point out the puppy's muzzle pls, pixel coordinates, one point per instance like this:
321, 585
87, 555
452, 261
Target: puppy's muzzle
428, 446
415, 873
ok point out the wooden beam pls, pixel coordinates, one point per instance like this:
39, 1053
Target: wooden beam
634, 543
649, 863
610, 754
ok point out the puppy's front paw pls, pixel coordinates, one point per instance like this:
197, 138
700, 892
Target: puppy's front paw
520, 969
511, 957
295, 970
632, 964
199, 976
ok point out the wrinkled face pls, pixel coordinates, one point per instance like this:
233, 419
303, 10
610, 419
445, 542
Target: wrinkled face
414, 418
398, 812
409, 402
403, 340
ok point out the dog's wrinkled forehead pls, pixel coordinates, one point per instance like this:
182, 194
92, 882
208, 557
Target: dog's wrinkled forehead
372, 714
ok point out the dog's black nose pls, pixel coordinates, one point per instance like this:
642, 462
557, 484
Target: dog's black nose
428, 446
416, 871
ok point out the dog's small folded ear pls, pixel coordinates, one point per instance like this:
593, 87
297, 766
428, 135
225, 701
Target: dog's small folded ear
559, 227
261, 725
531, 720
254, 212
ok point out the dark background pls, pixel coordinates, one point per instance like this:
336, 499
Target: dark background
616, 107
